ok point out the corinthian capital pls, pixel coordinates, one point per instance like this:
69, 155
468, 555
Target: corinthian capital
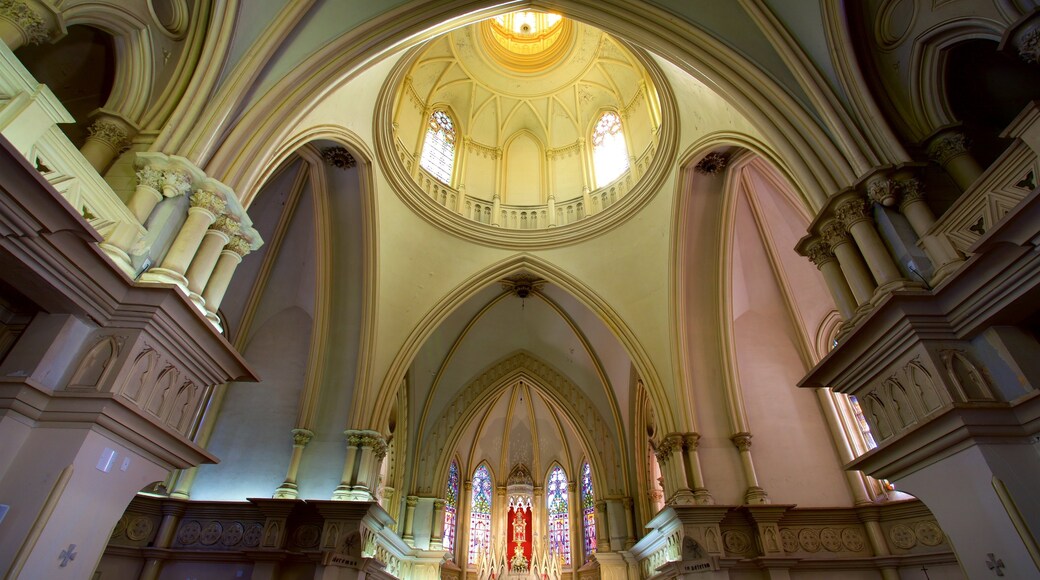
302, 437
226, 225
240, 246
32, 26
851, 212
834, 234
947, 146
819, 253
209, 201
111, 133
742, 441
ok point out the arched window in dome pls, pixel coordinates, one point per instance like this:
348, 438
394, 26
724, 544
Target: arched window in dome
609, 152
480, 514
451, 506
438, 152
559, 515
588, 510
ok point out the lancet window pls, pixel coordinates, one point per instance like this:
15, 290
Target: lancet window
609, 152
558, 507
451, 507
438, 152
588, 510
480, 514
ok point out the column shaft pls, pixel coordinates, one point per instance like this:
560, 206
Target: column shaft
209, 251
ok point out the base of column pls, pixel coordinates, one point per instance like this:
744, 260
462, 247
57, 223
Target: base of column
287, 490
702, 497
119, 258
198, 301
344, 493
756, 495
683, 497
215, 320
887, 288
165, 276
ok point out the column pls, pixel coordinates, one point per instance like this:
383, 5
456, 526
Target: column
754, 494
23, 23
217, 236
153, 184
437, 533
409, 517
695, 476
171, 517
230, 257
205, 207
108, 136
289, 489
855, 271
577, 532
462, 526
342, 491
949, 149
496, 210
602, 527
365, 452
871, 521
853, 215
630, 523
820, 254
943, 254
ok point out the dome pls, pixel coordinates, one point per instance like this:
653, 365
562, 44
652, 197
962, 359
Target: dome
526, 127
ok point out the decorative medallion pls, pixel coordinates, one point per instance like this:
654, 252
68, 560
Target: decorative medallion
189, 532
831, 539
809, 539
120, 527
902, 536
306, 536
852, 539
736, 541
711, 164
789, 540
252, 535
338, 157
928, 533
232, 534
211, 533
139, 528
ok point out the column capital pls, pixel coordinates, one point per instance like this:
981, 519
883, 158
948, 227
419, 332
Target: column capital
438, 504
910, 190
742, 441
852, 211
411, 501
834, 234
209, 201
819, 252
33, 20
946, 145
226, 225
883, 191
302, 437
1029, 45
691, 441
110, 132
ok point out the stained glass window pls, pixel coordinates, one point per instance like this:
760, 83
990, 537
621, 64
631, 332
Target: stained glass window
438, 152
480, 514
451, 507
609, 152
559, 526
861, 421
588, 510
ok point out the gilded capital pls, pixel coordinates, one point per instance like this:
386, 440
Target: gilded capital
30, 23
150, 177
209, 201
175, 183
302, 437
240, 246
226, 225
111, 133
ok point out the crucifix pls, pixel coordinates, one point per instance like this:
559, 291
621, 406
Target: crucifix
994, 564
67, 555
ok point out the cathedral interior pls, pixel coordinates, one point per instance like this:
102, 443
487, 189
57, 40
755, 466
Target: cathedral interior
472, 289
